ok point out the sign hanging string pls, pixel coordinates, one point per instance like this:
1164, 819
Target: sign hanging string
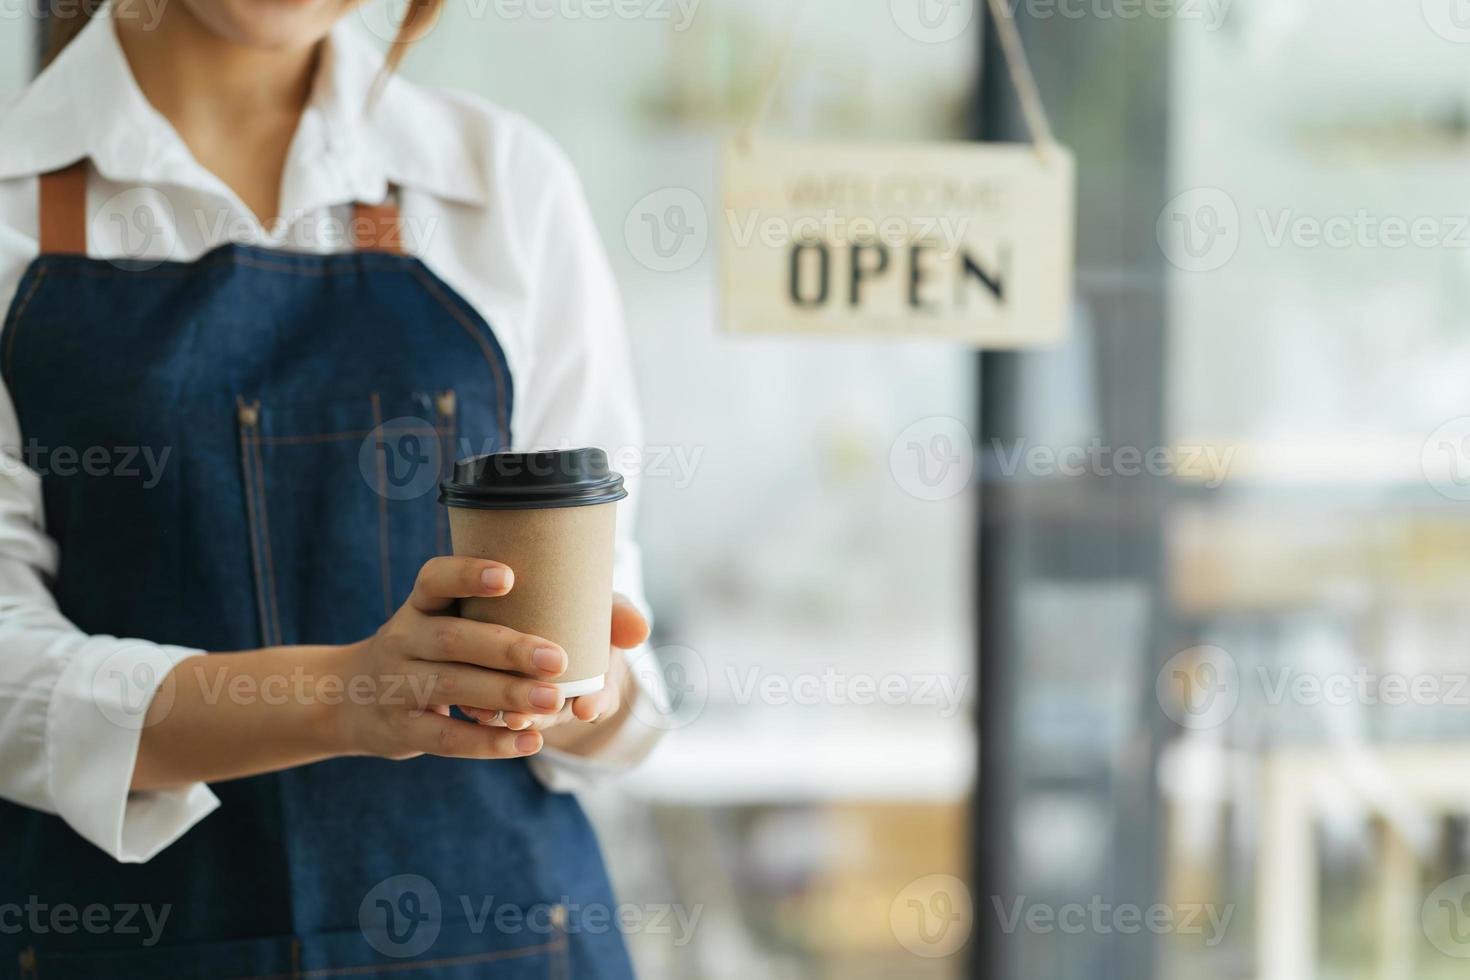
1033, 109
777, 71
1019, 68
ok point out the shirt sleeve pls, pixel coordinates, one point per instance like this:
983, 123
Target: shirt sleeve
72, 705
581, 393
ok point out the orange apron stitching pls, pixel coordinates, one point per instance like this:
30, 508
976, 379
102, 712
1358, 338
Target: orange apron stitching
265, 528
247, 471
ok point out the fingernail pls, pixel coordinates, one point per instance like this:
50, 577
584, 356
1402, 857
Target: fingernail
545, 697
521, 724
594, 718
549, 660
497, 579
527, 742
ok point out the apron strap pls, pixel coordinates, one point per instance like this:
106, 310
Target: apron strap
63, 217
63, 210
375, 227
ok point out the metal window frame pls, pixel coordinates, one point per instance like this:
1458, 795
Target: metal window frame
1106, 86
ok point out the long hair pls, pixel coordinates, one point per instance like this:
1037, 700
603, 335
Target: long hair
417, 20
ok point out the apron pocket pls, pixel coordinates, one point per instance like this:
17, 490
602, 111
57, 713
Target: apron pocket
341, 502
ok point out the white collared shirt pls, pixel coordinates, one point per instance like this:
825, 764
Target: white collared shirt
487, 201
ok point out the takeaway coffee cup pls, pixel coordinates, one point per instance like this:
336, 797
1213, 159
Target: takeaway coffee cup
549, 516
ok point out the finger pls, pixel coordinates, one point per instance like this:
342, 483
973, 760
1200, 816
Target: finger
445, 579
539, 723
485, 716
494, 690
436, 735
467, 641
590, 707
518, 722
500, 718
629, 628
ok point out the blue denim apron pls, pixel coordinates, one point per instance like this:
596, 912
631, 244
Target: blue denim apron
300, 398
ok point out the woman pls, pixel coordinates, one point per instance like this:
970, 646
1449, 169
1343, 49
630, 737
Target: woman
257, 284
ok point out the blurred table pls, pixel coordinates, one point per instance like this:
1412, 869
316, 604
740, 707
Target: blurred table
794, 755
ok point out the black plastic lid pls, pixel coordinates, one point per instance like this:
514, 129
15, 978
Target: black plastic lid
521, 481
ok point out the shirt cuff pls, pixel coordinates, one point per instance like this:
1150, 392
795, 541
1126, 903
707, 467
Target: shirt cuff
93, 725
637, 735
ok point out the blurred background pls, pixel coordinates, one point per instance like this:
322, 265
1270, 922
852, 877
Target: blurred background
1224, 729
788, 805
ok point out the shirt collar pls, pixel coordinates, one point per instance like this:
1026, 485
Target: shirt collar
350, 146
390, 131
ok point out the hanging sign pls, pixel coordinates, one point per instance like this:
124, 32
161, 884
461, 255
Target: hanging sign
969, 242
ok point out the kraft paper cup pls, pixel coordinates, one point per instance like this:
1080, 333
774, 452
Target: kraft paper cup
550, 516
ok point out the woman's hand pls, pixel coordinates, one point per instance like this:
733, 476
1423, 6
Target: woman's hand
386, 696
629, 629
426, 658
